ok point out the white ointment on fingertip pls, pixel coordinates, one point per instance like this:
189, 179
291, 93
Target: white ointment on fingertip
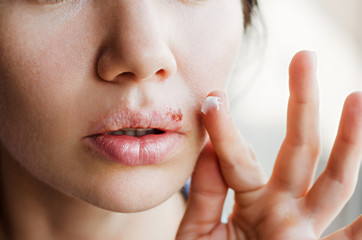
211, 102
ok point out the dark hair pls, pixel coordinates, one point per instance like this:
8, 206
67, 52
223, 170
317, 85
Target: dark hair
249, 7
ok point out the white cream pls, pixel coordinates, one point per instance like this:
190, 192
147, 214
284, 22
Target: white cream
210, 103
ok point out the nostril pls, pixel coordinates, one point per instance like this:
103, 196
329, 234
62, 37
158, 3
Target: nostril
163, 74
127, 75
160, 74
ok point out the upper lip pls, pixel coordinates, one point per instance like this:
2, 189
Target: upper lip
168, 119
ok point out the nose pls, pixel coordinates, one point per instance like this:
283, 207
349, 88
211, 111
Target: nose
137, 47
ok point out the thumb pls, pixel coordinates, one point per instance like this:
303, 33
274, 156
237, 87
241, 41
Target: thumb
207, 194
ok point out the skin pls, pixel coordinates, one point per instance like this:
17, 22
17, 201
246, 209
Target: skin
288, 205
64, 65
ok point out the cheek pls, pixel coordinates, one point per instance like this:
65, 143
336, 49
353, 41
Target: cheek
207, 59
38, 71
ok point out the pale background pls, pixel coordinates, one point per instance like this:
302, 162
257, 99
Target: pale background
259, 92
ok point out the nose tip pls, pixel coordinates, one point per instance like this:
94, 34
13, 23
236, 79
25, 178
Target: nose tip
138, 48
157, 65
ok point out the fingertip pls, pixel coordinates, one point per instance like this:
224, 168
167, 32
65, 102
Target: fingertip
355, 100
353, 109
207, 152
303, 64
216, 114
213, 102
351, 121
303, 75
302, 60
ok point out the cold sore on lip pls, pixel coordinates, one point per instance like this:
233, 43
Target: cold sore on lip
177, 117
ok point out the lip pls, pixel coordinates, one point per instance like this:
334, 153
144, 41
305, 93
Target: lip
135, 151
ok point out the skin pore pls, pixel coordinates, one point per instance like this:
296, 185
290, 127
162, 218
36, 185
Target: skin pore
64, 67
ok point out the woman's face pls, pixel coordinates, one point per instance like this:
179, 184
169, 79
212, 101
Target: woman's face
74, 72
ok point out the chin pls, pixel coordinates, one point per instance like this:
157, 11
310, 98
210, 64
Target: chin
128, 200
130, 189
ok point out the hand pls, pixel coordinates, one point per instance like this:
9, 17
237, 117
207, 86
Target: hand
287, 206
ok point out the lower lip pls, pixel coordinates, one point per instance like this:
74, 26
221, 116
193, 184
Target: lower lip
136, 151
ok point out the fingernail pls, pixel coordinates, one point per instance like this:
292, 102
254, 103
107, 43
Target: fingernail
210, 103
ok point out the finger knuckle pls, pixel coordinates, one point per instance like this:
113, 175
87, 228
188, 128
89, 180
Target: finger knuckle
311, 145
345, 181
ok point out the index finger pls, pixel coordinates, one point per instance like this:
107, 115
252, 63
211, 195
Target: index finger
237, 161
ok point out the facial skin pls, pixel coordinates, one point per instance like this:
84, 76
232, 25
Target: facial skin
64, 66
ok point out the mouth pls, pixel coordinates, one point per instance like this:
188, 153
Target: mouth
136, 138
136, 132
128, 122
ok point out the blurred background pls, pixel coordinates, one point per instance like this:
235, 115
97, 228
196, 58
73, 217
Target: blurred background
259, 89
